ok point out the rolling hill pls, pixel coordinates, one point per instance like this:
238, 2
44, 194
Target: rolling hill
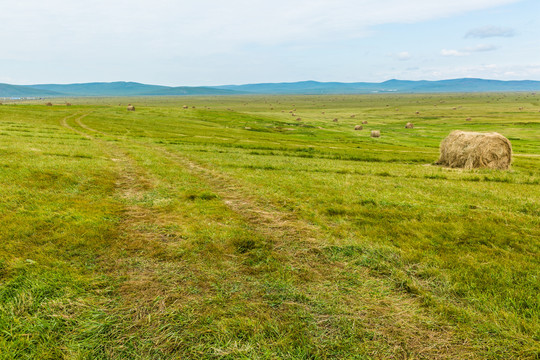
121, 88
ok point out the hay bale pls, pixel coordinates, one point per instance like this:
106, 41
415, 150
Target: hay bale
358, 127
409, 125
68, 104
472, 150
298, 119
364, 122
468, 119
375, 133
49, 104
130, 107
353, 116
335, 120
417, 113
187, 107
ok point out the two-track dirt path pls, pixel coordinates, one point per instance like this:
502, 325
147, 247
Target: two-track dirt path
397, 319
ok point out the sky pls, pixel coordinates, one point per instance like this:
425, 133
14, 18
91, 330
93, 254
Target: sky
218, 42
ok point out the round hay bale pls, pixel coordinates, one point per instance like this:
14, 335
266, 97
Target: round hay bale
375, 133
472, 150
335, 120
49, 104
68, 104
468, 119
185, 107
353, 116
364, 122
298, 119
130, 107
409, 125
418, 113
358, 127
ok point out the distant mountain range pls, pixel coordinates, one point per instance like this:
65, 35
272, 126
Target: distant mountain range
121, 88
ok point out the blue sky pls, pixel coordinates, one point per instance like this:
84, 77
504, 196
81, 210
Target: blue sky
211, 42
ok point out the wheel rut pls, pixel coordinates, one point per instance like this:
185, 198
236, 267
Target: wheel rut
398, 319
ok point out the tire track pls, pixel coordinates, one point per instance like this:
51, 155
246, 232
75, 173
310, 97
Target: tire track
398, 319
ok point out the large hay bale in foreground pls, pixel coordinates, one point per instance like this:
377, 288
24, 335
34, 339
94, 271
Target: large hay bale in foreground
375, 133
472, 150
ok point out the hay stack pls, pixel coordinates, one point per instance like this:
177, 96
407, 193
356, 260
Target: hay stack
68, 104
353, 116
335, 120
130, 107
468, 119
409, 125
185, 107
298, 119
375, 133
49, 104
358, 127
471, 150
364, 122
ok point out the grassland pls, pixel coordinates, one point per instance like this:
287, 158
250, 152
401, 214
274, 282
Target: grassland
232, 230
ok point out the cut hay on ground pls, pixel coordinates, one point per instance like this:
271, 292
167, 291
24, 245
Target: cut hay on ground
375, 133
472, 150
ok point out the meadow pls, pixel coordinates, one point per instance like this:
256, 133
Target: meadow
256, 227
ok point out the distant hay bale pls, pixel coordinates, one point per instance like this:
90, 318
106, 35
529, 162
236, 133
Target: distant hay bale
358, 127
68, 104
335, 120
322, 113
298, 119
49, 104
353, 115
130, 107
468, 119
187, 107
418, 113
364, 122
375, 133
409, 125
472, 150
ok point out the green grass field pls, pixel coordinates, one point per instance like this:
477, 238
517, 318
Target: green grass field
232, 230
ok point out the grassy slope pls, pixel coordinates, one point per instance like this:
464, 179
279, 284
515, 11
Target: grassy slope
233, 230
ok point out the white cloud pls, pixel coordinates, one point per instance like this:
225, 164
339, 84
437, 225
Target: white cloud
481, 48
445, 52
467, 51
143, 27
403, 56
490, 31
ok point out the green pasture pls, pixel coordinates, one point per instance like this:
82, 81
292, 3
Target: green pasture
259, 228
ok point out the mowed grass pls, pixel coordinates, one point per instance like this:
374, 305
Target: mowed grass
233, 230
